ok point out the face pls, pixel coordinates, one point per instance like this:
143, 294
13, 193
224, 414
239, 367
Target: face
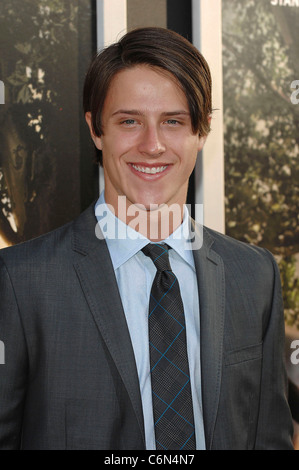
149, 149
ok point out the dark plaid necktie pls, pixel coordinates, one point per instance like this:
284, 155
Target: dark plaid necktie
172, 401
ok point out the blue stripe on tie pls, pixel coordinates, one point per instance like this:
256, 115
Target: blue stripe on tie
164, 251
163, 355
187, 440
161, 445
169, 406
167, 350
166, 311
158, 302
176, 412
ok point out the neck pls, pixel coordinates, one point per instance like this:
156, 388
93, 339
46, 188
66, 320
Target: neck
156, 223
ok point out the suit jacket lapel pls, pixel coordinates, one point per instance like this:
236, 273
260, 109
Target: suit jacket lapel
211, 287
97, 278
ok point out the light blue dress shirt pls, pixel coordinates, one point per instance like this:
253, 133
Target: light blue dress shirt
135, 273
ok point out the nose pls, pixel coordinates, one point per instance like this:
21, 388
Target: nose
151, 141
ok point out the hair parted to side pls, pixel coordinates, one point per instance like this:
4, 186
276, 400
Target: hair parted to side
155, 47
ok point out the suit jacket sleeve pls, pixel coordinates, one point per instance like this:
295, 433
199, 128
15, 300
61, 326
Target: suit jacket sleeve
275, 424
13, 373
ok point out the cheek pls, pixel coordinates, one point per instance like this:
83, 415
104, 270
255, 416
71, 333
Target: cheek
189, 156
117, 146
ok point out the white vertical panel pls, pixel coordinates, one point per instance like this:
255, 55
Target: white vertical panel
111, 26
209, 174
111, 21
2, 93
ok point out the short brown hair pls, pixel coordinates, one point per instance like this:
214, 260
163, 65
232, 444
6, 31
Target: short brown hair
155, 47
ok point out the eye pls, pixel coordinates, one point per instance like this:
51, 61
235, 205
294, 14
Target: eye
172, 122
129, 122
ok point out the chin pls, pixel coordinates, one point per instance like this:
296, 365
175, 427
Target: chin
149, 206
155, 199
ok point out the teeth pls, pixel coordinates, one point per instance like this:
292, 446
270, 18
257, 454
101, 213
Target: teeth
148, 170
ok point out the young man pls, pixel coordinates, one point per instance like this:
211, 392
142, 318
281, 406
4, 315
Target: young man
103, 350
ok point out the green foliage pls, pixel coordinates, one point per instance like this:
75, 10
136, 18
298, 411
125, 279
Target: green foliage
45, 48
37, 37
261, 132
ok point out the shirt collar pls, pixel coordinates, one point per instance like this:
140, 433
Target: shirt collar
124, 242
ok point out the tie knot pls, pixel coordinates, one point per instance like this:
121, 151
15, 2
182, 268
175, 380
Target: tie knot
158, 252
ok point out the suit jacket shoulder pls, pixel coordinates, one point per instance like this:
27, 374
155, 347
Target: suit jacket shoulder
77, 235
70, 379
231, 248
242, 261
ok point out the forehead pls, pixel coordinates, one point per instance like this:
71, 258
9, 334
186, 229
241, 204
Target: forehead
145, 84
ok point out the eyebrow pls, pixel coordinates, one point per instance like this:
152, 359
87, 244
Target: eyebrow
176, 113
136, 112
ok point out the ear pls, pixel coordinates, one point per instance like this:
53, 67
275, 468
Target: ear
202, 139
96, 139
201, 142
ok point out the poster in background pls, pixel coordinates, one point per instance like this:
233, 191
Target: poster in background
47, 172
261, 137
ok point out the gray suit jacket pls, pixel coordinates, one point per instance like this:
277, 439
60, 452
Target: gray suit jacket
69, 380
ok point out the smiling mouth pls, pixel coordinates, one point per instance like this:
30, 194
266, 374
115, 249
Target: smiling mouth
150, 170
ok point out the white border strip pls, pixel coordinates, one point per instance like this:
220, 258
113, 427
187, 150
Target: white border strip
111, 25
209, 173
